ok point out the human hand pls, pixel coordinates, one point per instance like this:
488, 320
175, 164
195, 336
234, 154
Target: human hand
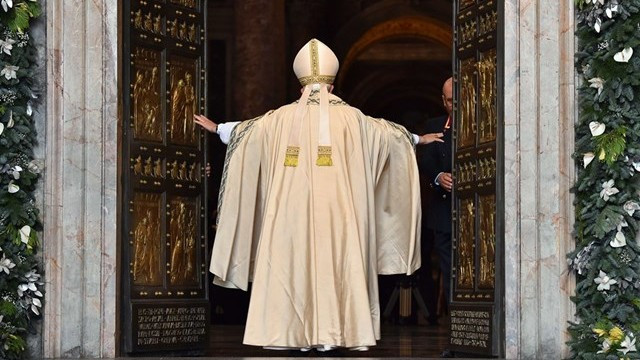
429, 138
207, 170
207, 124
446, 181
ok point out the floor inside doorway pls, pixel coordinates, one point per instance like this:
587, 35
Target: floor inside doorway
398, 341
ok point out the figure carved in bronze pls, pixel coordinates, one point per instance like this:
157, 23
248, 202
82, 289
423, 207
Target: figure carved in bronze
146, 242
488, 88
183, 107
174, 169
189, 109
137, 166
192, 33
177, 111
148, 22
183, 248
148, 167
465, 246
467, 124
487, 241
137, 20
157, 168
157, 25
146, 97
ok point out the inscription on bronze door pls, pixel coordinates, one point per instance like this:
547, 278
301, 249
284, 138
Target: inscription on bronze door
165, 299
476, 308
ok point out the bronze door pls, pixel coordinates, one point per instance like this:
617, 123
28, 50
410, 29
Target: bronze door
476, 301
164, 268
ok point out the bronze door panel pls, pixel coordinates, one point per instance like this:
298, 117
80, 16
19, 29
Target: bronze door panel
466, 128
487, 95
183, 101
487, 241
184, 235
147, 217
165, 305
477, 269
146, 100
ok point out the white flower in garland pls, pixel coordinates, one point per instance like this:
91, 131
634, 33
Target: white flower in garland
6, 5
588, 158
1, 128
631, 207
606, 345
6, 264
612, 8
11, 122
623, 56
619, 240
32, 278
604, 281
6, 46
25, 232
27, 290
597, 128
597, 83
22, 288
597, 25
15, 171
628, 344
595, 2
35, 304
13, 188
608, 190
10, 72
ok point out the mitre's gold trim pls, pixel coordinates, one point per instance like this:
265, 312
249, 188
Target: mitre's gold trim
313, 48
316, 79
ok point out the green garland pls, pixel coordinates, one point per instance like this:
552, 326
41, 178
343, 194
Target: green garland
20, 279
607, 255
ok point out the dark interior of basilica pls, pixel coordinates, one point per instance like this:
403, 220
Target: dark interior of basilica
394, 57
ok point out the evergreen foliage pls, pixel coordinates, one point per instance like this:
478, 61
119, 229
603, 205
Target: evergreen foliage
606, 258
20, 279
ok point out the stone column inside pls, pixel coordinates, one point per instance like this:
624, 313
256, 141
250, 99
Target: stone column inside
259, 81
80, 143
539, 109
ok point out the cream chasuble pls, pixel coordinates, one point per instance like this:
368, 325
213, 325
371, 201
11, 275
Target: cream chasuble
311, 238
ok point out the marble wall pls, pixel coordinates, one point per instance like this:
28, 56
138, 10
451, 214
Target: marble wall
539, 108
80, 179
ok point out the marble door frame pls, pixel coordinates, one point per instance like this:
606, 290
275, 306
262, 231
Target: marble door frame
539, 112
81, 178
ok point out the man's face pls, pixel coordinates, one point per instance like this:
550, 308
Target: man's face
447, 96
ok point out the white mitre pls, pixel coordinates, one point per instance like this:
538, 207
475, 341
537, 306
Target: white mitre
315, 64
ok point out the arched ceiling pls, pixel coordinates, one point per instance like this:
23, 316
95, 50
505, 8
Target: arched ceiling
429, 30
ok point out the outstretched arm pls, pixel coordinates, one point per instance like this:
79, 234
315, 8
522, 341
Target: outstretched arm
428, 138
223, 130
207, 124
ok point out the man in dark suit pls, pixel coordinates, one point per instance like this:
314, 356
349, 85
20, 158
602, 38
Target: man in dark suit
437, 166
